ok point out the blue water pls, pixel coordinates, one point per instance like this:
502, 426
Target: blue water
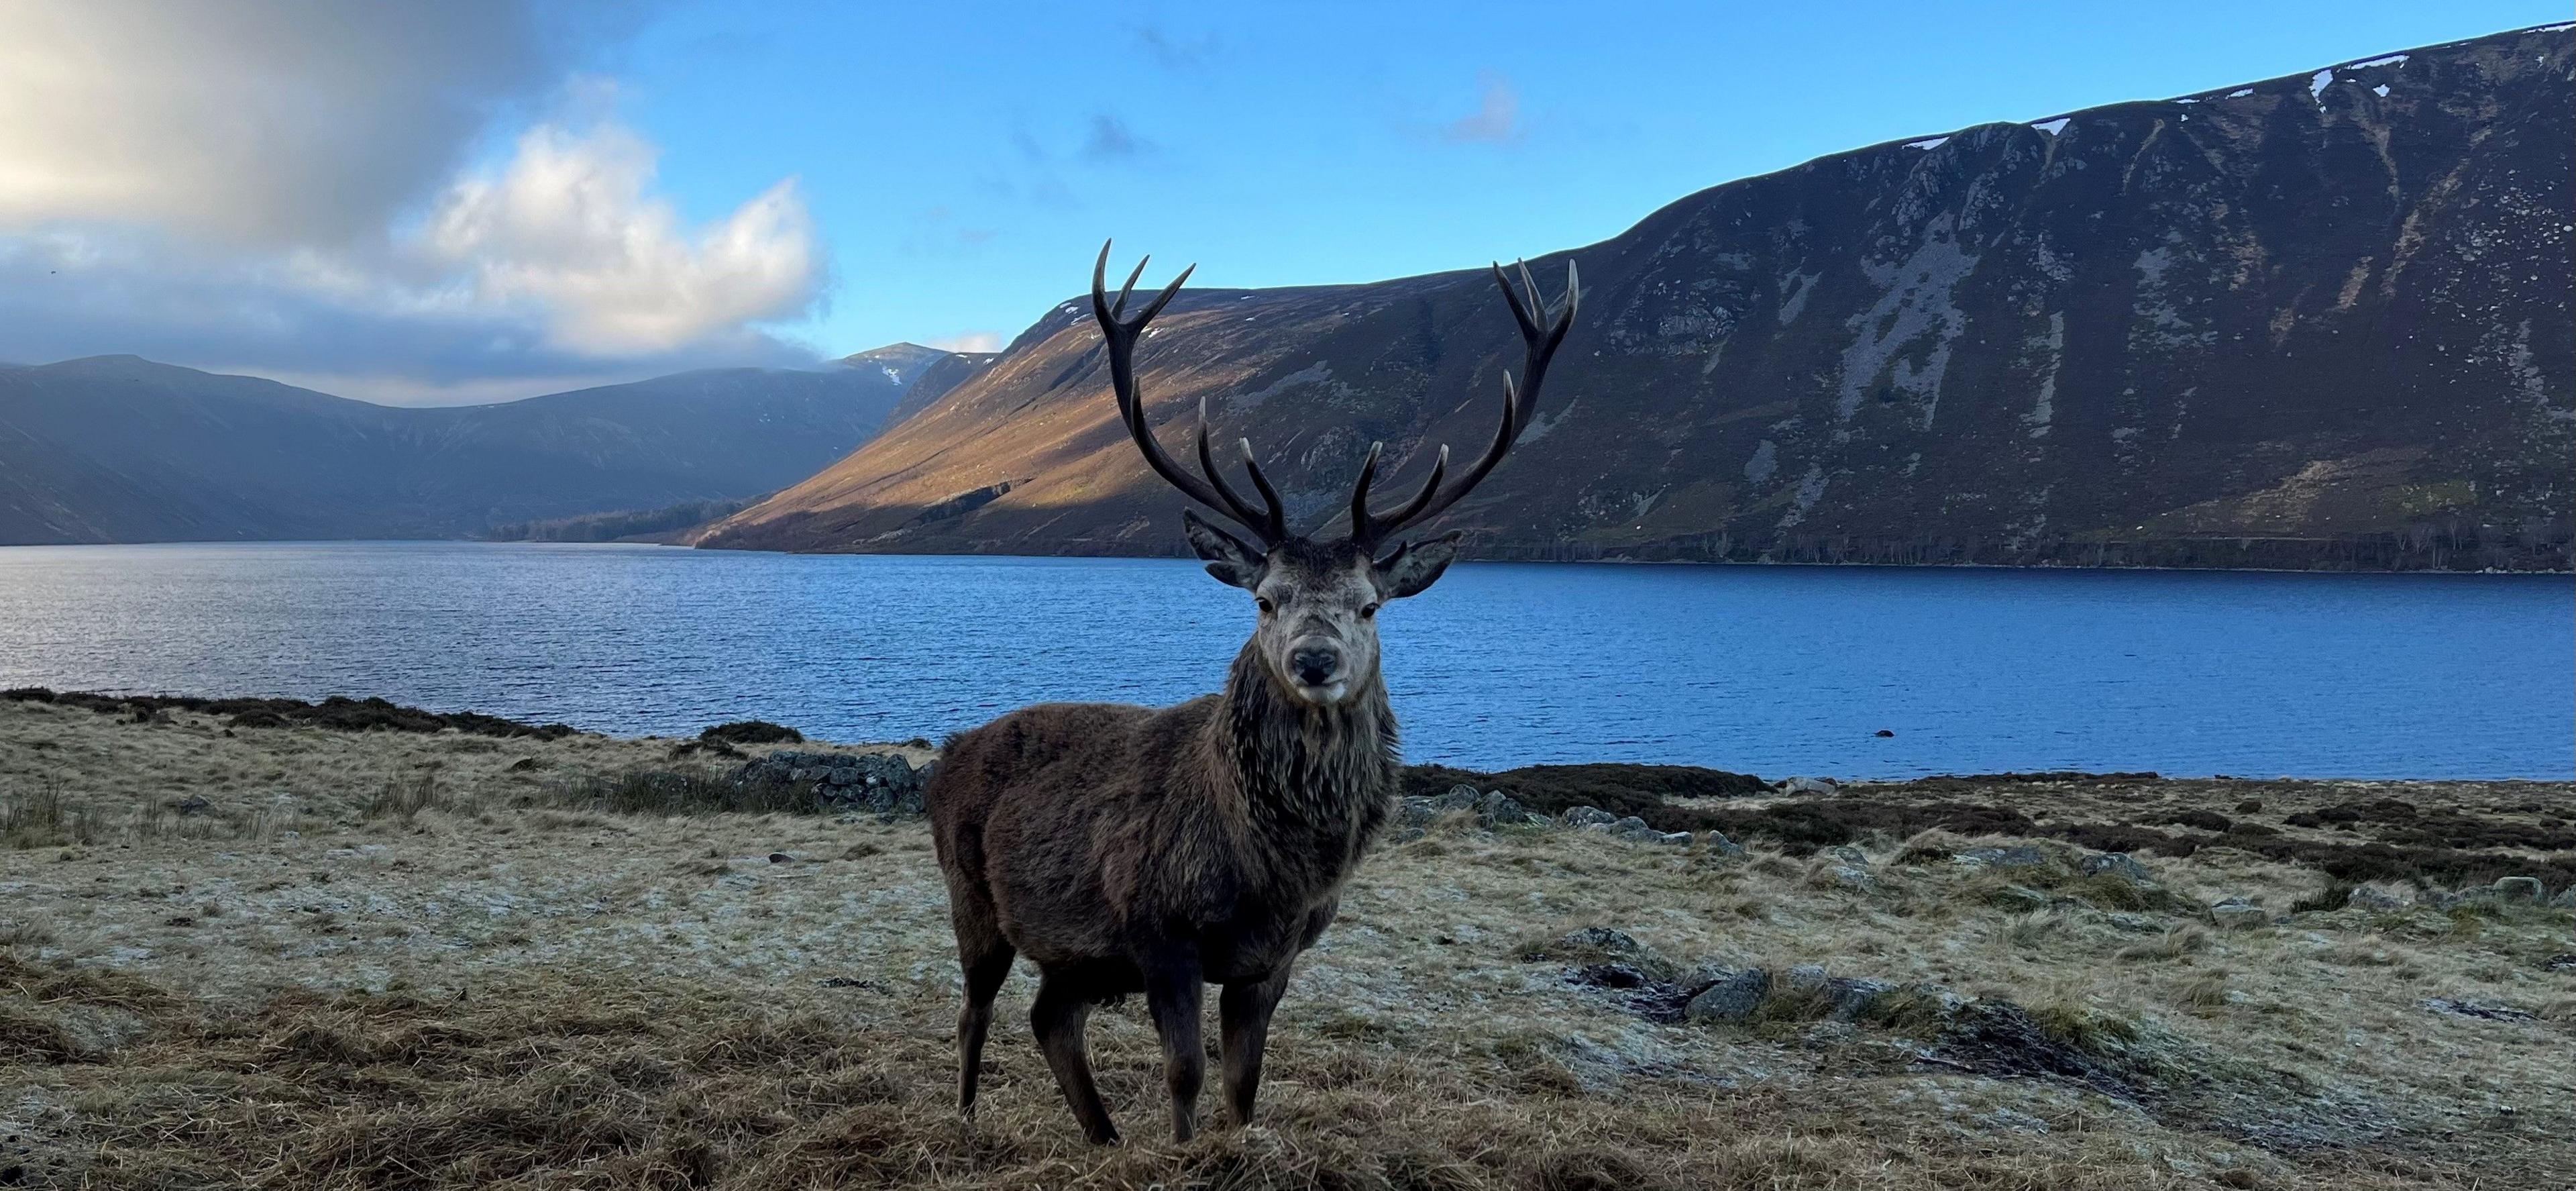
1772, 670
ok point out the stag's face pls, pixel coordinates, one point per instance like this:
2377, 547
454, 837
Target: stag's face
1318, 604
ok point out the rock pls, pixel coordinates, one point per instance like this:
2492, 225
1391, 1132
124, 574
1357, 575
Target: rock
881, 782
2118, 864
1818, 787
2383, 898
1885, 733
1719, 845
194, 804
2019, 897
1458, 798
1635, 831
1848, 854
2566, 899
2016, 856
2136, 924
1731, 997
1589, 816
781, 858
2561, 963
2236, 912
2486, 1009
1497, 809
2520, 889
1855, 879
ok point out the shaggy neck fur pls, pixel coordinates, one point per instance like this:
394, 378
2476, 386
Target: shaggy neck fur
1309, 775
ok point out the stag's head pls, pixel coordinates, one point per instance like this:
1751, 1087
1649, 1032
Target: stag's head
1318, 596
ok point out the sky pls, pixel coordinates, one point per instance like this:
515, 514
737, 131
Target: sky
488, 199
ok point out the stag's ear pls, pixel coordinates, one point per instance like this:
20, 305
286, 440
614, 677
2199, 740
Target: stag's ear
1226, 556
1417, 565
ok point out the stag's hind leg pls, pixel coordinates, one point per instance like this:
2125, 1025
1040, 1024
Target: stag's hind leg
1058, 1014
987, 961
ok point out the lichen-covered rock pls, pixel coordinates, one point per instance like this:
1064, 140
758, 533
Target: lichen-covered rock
1731, 997
1812, 787
2235, 912
2381, 898
2118, 864
1718, 845
2015, 856
1589, 816
2520, 889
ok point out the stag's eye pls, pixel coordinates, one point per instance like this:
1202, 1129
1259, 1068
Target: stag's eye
1263, 603
1368, 611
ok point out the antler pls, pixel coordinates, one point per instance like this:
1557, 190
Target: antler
1542, 329
1209, 487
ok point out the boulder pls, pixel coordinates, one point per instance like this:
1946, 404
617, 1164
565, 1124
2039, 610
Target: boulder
1731, 997
2237, 912
2566, 899
2381, 898
2520, 889
2019, 897
2015, 856
1719, 845
1854, 878
1589, 816
1812, 787
1635, 831
2118, 864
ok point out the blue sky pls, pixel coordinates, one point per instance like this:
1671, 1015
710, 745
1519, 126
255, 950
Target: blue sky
486, 199
963, 161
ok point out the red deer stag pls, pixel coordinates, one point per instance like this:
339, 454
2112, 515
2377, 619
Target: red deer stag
1126, 849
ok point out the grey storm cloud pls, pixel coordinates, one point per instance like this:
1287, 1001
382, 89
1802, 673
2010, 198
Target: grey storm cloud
280, 187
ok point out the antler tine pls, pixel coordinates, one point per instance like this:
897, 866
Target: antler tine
1120, 335
1240, 508
1277, 518
1542, 330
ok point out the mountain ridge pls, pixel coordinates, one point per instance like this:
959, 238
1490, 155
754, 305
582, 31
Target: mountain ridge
2317, 320
118, 448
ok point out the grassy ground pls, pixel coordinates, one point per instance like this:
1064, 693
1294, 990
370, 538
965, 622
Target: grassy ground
393, 959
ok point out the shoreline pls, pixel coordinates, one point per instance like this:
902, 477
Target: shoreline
365, 712
1605, 560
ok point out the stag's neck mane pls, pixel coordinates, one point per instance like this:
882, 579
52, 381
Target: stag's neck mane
1305, 770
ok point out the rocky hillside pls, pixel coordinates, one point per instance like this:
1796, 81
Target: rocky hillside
121, 449
2315, 321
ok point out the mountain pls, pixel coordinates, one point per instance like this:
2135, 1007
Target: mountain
122, 449
2315, 321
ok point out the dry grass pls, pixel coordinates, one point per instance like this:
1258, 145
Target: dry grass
399, 960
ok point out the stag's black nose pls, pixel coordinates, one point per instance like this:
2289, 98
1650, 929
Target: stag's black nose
1315, 665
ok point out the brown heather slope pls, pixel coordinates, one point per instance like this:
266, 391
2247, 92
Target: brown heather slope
2288, 324
425, 959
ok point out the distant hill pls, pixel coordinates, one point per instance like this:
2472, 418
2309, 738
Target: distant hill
122, 449
2316, 321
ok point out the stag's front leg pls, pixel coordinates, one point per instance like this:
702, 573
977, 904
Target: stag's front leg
1243, 1012
1174, 984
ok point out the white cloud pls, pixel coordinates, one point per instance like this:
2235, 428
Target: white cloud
569, 226
1496, 120
274, 186
969, 341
